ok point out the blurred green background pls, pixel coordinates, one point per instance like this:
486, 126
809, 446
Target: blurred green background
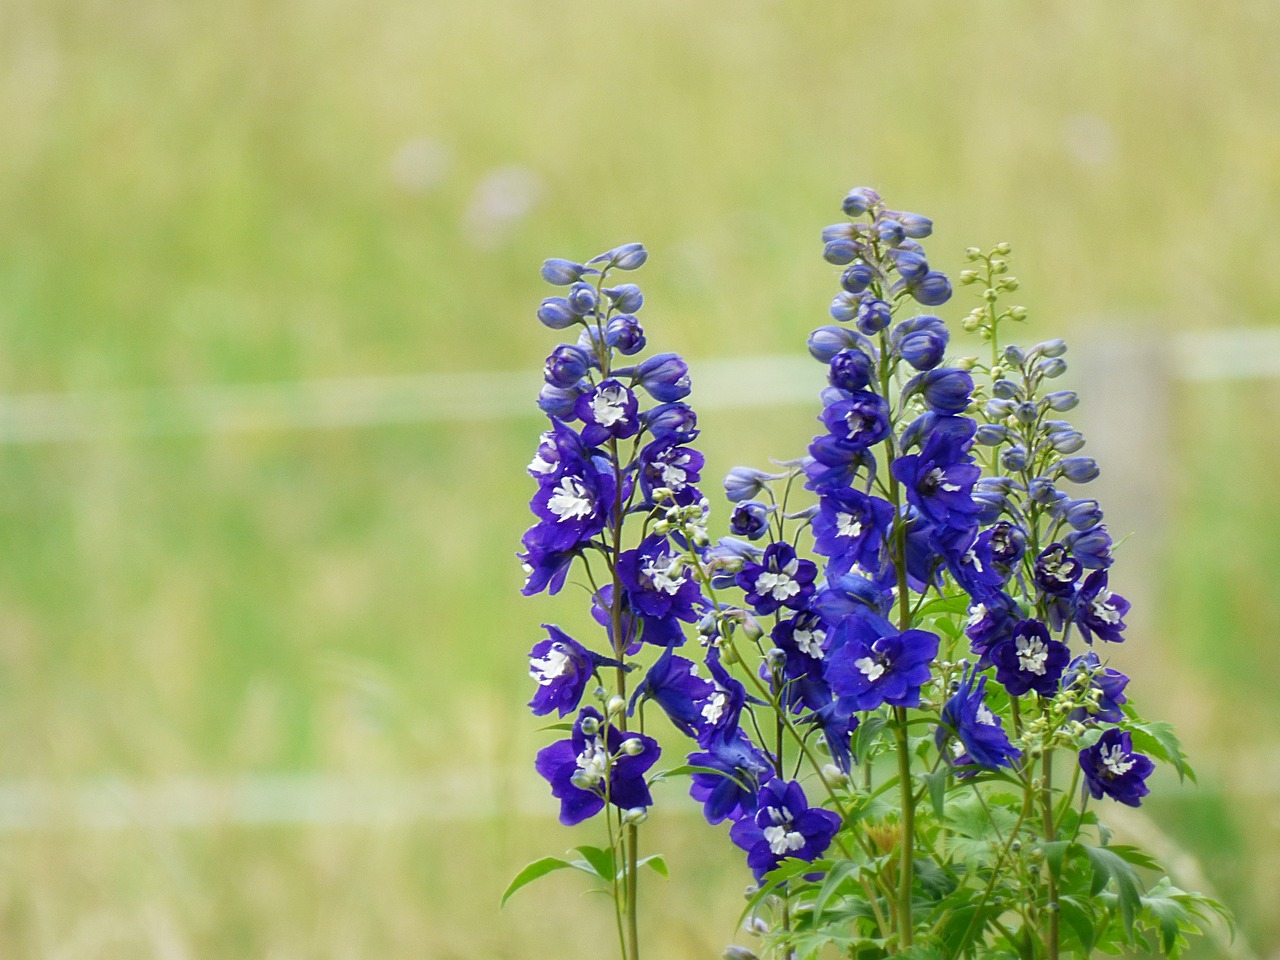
202, 631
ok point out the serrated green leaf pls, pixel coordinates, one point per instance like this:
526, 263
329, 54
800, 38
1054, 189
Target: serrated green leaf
1108, 865
1157, 738
1079, 920
936, 782
835, 877
539, 868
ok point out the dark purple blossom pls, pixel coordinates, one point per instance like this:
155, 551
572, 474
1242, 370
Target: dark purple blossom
665, 376
784, 826
607, 412
1112, 769
1098, 611
939, 480
850, 528
722, 709
851, 370
659, 588
801, 639
1055, 571
991, 620
750, 519
598, 758
625, 334
1091, 547
667, 464
730, 792
1030, 660
562, 668
566, 366
980, 735
673, 683
780, 579
869, 663
859, 420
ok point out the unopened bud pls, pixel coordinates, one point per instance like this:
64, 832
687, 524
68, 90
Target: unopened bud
635, 816
616, 704
633, 746
589, 726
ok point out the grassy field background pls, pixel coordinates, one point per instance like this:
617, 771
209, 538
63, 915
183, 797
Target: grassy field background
281, 190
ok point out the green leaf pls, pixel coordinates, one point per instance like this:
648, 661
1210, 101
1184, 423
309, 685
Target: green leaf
1079, 921
865, 737
656, 863
937, 784
1110, 865
600, 860
957, 603
1157, 738
539, 868
835, 878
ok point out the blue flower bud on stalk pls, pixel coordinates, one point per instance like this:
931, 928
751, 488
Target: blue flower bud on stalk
1026, 412
826, 342
560, 272
1006, 390
946, 390
1051, 368
566, 365
665, 376
873, 316
921, 341
749, 519
1066, 441
629, 256
915, 226
1014, 355
671, 420
933, 290
1051, 348
582, 298
851, 370
857, 277
625, 334
1014, 459
990, 434
890, 231
844, 306
859, 200
1062, 400
626, 297
912, 267
1081, 514
556, 314
839, 231
743, 483
1078, 469
1044, 492
840, 252
558, 401
996, 409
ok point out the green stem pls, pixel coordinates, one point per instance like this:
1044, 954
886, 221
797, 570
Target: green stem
906, 925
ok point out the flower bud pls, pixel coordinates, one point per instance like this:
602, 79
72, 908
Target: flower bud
629, 256
844, 306
1051, 368
1006, 390
1066, 441
890, 231
1083, 514
995, 409
1026, 412
744, 483
840, 252
556, 314
583, 780
1018, 313
1014, 355
990, 434
873, 315
1051, 348
1062, 400
1014, 459
589, 726
859, 200
633, 746
625, 334
635, 816
851, 370
945, 389
912, 267
665, 376
749, 519
561, 273
671, 420
921, 341
1043, 491
933, 290
582, 298
915, 226
1078, 469
616, 705
751, 628
558, 401
626, 297
566, 366
839, 231
857, 277
1003, 248
776, 658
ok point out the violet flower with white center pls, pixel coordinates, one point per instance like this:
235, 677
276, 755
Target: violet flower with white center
659, 587
1029, 660
1109, 684
780, 579
1112, 769
851, 528
594, 762
939, 481
858, 421
1098, 611
730, 792
562, 667
991, 620
784, 827
1055, 571
673, 683
801, 639
869, 663
665, 464
722, 709
978, 731
608, 411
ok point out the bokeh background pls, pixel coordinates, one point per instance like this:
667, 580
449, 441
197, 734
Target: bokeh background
267, 278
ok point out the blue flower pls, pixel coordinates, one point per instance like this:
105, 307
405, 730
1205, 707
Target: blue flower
722, 709
826, 342
1055, 572
729, 793
673, 683
991, 620
784, 826
1112, 769
671, 421
981, 736
780, 579
859, 200
556, 313
851, 370
626, 297
1091, 547
566, 366
858, 420
939, 481
625, 334
596, 759
1108, 683
608, 412
873, 316
857, 277
968, 557
665, 376
659, 588
801, 639
851, 528
664, 463
1030, 660
545, 567
629, 256
946, 390
931, 290
1098, 611
561, 666
750, 519
869, 663
574, 503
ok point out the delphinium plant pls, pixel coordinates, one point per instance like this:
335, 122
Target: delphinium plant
892, 669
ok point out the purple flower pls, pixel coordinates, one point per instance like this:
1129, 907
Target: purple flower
980, 735
1091, 547
545, 568
625, 334
658, 586
560, 272
729, 793
850, 370
665, 376
664, 463
608, 412
573, 503
869, 663
1109, 684
561, 666
921, 341
1111, 768
991, 620
801, 639
968, 557
566, 365
939, 481
784, 827
750, 519
1030, 660
825, 342
859, 421
780, 579
673, 683
851, 528
1099, 611
1055, 571
931, 290
873, 315
722, 709
598, 758
671, 421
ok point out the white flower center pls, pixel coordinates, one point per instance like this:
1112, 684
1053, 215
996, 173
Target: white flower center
986, 716
777, 585
673, 476
608, 406
593, 761
873, 670
1055, 567
971, 558
939, 481
664, 574
713, 709
1032, 655
571, 500
1117, 761
856, 422
1104, 609
553, 664
977, 614
848, 526
539, 465
782, 841
810, 642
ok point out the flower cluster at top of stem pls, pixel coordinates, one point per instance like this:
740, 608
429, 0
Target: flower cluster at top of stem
950, 578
